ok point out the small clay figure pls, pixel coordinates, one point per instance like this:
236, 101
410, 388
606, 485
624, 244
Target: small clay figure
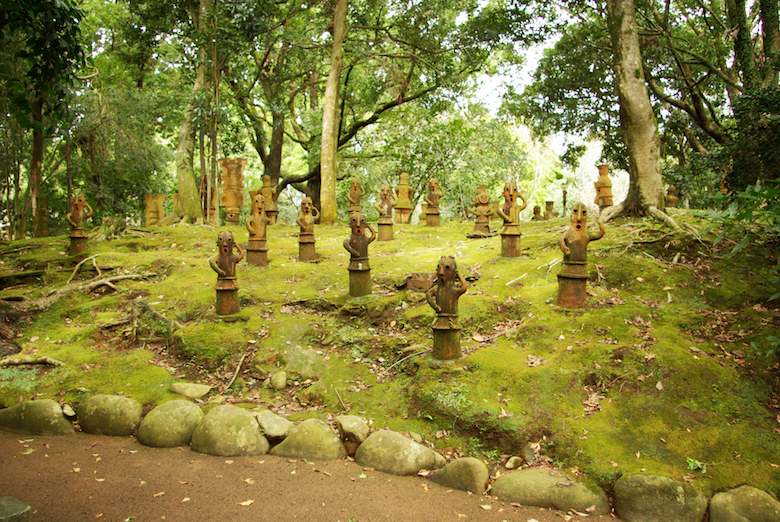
574, 243
671, 198
603, 188
537, 213
77, 219
355, 191
510, 213
155, 210
306, 241
548, 211
385, 208
443, 298
403, 203
232, 188
357, 246
269, 199
257, 224
224, 264
482, 210
432, 198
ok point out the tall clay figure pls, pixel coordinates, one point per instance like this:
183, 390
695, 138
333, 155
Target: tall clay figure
482, 210
385, 208
357, 246
257, 224
443, 298
510, 213
574, 245
269, 198
306, 241
77, 219
435, 192
403, 204
355, 192
224, 264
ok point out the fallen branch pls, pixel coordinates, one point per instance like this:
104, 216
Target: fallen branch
340, 399
89, 287
402, 360
29, 359
662, 216
235, 373
76, 269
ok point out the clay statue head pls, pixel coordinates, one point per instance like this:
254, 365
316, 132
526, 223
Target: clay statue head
259, 202
510, 191
537, 210
354, 185
433, 184
79, 203
266, 181
357, 222
483, 198
671, 191
579, 216
404, 178
225, 243
306, 205
447, 270
385, 192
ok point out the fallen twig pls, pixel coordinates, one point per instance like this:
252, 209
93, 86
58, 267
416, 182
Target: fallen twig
29, 359
340, 399
76, 269
235, 373
516, 279
407, 357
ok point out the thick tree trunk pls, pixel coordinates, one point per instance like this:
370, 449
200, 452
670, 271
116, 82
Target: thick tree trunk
273, 161
36, 163
640, 128
330, 117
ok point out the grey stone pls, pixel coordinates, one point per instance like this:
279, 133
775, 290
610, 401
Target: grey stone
229, 431
41, 417
416, 437
652, 498
466, 474
279, 380
513, 462
68, 411
311, 439
352, 428
548, 488
190, 389
744, 504
438, 460
391, 452
111, 415
170, 424
12, 510
275, 427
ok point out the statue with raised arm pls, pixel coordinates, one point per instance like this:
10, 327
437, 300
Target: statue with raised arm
306, 241
443, 298
224, 264
510, 213
385, 208
573, 276
435, 192
482, 210
354, 194
269, 199
257, 224
357, 246
77, 219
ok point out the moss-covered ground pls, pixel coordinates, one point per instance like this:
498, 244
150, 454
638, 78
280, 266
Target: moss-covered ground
666, 370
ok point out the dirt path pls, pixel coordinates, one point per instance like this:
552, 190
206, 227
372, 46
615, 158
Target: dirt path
87, 478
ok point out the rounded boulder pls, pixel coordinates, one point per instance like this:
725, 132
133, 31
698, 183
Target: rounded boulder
229, 431
170, 424
111, 415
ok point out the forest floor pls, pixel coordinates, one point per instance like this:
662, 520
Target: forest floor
669, 369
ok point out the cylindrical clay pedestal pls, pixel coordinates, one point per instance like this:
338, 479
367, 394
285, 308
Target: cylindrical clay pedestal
446, 344
227, 302
359, 282
510, 245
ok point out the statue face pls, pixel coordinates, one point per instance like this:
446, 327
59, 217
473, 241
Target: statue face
357, 221
446, 270
579, 216
404, 178
433, 184
306, 205
225, 242
79, 202
384, 192
483, 198
354, 185
259, 202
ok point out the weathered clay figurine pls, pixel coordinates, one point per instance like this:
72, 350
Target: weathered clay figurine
432, 198
269, 199
537, 213
573, 276
257, 224
482, 210
355, 191
548, 211
385, 208
154, 209
309, 214
603, 188
671, 198
232, 188
403, 204
224, 264
510, 213
443, 298
77, 219
357, 246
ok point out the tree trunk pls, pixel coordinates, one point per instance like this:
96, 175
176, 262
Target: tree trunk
36, 163
273, 161
637, 121
330, 117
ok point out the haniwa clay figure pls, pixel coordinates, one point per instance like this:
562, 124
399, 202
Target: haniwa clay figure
603, 188
77, 219
224, 264
257, 225
432, 198
671, 198
232, 188
574, 245
537, 213
357, 246
443, 298
482, 210
549, 213
355, 192
403, 203
510, 213
269, 199
385, 208
309, 214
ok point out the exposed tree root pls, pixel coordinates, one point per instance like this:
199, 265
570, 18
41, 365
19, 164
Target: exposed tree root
663, 216
611, 212
27, 359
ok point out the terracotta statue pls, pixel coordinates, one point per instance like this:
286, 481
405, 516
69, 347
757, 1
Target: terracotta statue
482, 210
403, 203
154, 209
574, 244
224, 264
537, 213
357, 246
510, 213
385, 208
309, 214
269, 199
432, 198
603, 188
671, 198
443, 298
355, 191
548, 211
232, 188
257, 224
77, 219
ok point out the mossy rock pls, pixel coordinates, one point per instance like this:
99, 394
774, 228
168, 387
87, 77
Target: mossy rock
744, 504
652, 498
391, 452
466, 474
311, 439
170, 425
229, 431
111, 415
41, 417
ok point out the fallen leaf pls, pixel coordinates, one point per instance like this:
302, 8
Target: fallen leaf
249, 481
504, 414
477, 337
659, 386
228, 462
638, 454
591, 509
100, 479
614, 464
486, 506
158, 495
185, 499
75, 470
774, 465
98, 515
246, 503
362, 475
640, 279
